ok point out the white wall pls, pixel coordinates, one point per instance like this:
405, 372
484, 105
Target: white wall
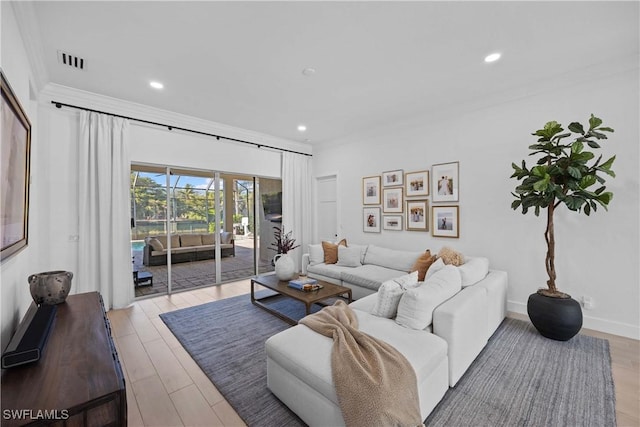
15, 270
596, 256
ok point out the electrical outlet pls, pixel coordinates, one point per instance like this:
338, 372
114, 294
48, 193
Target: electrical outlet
587, 302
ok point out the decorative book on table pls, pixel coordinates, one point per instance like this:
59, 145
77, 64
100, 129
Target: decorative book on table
299, 283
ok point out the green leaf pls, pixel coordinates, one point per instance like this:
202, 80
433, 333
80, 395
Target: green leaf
587, 181
598, 135
576, 127
537, 211
594, 122
577, 147
559, 137
605, 197
539, 170
542, 184
587, 209
606, 129
515, 204
574, 172
593, 144
607, 165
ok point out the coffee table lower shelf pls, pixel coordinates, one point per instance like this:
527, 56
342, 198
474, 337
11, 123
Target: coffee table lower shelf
270, 281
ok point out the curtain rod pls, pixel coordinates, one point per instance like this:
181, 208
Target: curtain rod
171, 127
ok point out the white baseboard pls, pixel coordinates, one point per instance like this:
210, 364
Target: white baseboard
589, 322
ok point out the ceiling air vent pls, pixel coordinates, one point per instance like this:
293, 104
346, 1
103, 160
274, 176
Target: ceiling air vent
70, 60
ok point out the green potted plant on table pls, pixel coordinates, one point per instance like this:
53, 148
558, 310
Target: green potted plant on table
565, 174
284, 264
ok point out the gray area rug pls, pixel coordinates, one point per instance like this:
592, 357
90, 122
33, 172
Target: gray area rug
519, 379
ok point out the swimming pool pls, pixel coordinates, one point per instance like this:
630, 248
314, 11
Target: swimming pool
137, 245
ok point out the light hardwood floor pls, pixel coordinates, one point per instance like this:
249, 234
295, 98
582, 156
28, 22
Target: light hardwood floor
165, 387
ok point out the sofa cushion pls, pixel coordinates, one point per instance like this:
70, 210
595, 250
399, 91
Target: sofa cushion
422, 264
316, 254
175, 241
369, 276
416, 306
331, 251
307, 354
349, 256
190, 240
437, 265
208, 239
329, 270
226, 236
389, 294
391, 258
155, 244
473, 270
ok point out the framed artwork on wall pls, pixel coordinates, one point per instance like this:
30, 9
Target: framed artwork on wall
446, 221
416, 184
371, 190
392, 200
15, 146
371, 220
445, 179
418, 215
392, 222
392, 178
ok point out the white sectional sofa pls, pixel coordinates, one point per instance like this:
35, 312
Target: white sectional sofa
376, 265
299, 360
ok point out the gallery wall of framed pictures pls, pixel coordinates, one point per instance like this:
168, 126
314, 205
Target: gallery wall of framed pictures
413, 201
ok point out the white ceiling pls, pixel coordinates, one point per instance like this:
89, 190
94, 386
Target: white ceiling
240, 63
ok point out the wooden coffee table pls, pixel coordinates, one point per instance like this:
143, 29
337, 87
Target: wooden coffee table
271, 281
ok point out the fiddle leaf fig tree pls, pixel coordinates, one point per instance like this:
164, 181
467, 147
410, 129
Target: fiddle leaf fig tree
565, 174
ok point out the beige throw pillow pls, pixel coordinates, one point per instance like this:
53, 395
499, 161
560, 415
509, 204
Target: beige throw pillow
422, 264
331, 251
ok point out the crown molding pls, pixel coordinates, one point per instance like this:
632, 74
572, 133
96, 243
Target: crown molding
30, 32
68, 95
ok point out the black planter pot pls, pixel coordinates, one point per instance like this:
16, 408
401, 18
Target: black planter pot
555, 318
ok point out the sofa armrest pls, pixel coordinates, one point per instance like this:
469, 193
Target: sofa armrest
305, 263
462, 322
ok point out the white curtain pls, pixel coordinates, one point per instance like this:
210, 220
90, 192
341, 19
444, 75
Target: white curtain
297, 209
105, 245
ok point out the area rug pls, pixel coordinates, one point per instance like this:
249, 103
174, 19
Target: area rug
519, 379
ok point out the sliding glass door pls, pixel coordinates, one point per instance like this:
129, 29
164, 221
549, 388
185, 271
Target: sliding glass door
193, 228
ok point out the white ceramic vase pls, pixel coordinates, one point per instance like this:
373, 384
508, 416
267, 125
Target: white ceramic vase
285, 267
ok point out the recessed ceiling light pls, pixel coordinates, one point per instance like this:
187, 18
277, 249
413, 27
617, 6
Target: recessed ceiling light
156, 85
302, 128
493, 57
309, 71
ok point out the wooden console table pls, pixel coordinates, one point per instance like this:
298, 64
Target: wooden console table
78, 381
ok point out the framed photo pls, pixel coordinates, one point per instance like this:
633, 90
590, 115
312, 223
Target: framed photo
392, 178
392, 222
445, 179
15, 143
371, 190
392, 200
371, 220
446, 221
416, 184
418, 215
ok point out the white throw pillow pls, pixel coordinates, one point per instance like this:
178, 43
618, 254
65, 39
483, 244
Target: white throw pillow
408, 280
349, 256
416, 306
434, 268
316, 254
389, 295
390, 292
473, 270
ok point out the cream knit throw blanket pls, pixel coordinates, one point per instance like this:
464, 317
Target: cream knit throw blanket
375, 384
